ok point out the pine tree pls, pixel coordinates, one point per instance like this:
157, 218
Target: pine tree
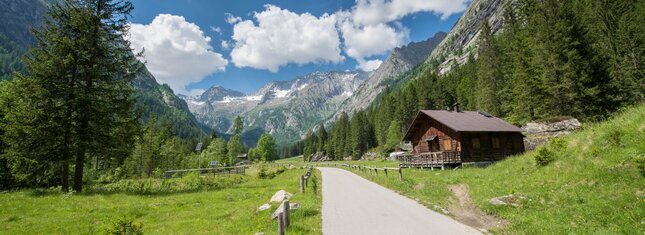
489, 74
235, 148
393, 136
238, 126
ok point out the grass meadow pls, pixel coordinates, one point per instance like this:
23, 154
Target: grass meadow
216, 210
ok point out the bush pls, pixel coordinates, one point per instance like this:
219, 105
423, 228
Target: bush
125, 226
189, 183
262, 174
548, 152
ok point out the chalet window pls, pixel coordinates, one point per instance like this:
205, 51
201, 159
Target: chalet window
447, 145
476, 144
495, 142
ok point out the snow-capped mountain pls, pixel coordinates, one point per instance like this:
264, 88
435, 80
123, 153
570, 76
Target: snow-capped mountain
286, 109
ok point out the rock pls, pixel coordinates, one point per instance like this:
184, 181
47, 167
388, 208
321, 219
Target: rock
507, 200
264, 207
293, 206
564, 125
280, 196
259, 233
318, 157
538, 133
369, 156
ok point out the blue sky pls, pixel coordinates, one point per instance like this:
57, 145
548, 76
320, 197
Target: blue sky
183, 38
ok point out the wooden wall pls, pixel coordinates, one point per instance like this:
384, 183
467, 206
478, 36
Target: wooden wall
445, 137
493, 146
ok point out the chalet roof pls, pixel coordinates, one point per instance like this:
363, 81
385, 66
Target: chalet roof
466, 121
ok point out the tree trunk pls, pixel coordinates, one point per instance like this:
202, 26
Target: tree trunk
78, 170
65, 177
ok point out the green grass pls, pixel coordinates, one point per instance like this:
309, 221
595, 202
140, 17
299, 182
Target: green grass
595, 185
297, 159
230, 210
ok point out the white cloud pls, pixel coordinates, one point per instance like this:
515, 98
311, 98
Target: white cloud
380, 11
176, 51
196, 92
231, 19
225, 45
365, 41
282, 37
216, 29
369, 65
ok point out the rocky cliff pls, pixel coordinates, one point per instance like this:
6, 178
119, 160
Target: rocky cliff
462, 38
400, 61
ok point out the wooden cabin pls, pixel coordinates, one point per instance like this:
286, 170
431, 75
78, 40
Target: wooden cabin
454, 137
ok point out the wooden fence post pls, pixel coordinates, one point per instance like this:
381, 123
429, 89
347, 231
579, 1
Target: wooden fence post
281, 227
385, 170
302, 183
287, 218
400, 175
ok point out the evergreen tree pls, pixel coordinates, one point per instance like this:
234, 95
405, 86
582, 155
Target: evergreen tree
86, 68
235, 148
238, 126
322, 138
393, 136
489, 73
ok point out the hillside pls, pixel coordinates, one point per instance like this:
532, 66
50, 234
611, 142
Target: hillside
595, 183
19, 16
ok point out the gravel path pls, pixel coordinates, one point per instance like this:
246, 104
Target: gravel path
353, 205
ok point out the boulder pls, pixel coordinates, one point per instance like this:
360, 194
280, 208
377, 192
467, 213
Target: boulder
280, 196
264, 207
538, 133
506, 200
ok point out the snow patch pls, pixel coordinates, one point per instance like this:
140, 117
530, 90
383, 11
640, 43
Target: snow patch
281, 93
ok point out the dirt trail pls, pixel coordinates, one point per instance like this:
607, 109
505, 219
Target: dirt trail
464, 210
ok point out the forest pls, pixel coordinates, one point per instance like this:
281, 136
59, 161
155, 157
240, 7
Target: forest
580, 58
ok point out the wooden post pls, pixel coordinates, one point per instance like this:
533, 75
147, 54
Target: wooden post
400, 175
287, 219
281, 227
385, 170
302, 184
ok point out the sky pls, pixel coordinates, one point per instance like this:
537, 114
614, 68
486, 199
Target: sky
192, 45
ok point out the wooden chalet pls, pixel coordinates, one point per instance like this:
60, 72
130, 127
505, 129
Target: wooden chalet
453, 137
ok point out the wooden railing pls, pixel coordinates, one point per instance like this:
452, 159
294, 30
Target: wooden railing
367, 169
430, 160
236, 170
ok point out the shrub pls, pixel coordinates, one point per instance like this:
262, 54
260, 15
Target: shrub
125, 226
547, 153
262, 174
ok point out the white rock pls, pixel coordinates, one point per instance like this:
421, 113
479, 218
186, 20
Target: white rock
264, 207
280, 196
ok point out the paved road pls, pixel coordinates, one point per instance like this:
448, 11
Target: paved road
353, 205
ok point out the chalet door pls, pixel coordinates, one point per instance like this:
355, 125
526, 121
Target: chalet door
434, 145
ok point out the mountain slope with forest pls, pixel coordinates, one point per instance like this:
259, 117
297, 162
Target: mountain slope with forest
550, 58
19, 16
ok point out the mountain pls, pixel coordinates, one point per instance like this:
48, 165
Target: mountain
400, 61
286, 109
19, 16
462, 38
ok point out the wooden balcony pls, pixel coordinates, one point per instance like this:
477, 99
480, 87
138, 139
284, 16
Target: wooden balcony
431, 160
